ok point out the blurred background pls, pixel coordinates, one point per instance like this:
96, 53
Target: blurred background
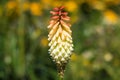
24, 45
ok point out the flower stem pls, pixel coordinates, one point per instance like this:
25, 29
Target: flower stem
60, 77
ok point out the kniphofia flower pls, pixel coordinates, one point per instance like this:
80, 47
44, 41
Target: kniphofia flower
60, 40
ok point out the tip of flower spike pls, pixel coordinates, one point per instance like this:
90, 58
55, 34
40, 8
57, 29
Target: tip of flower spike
62, 7
59, 14
59, 8
56, 9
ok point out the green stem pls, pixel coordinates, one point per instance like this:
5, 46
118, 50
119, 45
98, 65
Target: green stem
21, 45
61, 69
60, 78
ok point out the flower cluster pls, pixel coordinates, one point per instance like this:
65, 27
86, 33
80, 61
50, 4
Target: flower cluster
60, 40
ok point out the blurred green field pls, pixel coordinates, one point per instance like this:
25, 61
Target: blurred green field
24, 45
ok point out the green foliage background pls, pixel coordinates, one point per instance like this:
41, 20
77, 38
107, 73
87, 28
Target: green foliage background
23, 40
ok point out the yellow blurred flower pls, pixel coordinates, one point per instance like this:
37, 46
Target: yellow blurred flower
99, 5
115, 2
36, 34
71, 6
11, 5
56, 3
35, 9
86, 62
108, 56
110, 17
1, 12
74, 57
47, 2
26, 6
44, 42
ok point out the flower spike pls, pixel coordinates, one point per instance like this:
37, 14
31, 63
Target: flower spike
60, 40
